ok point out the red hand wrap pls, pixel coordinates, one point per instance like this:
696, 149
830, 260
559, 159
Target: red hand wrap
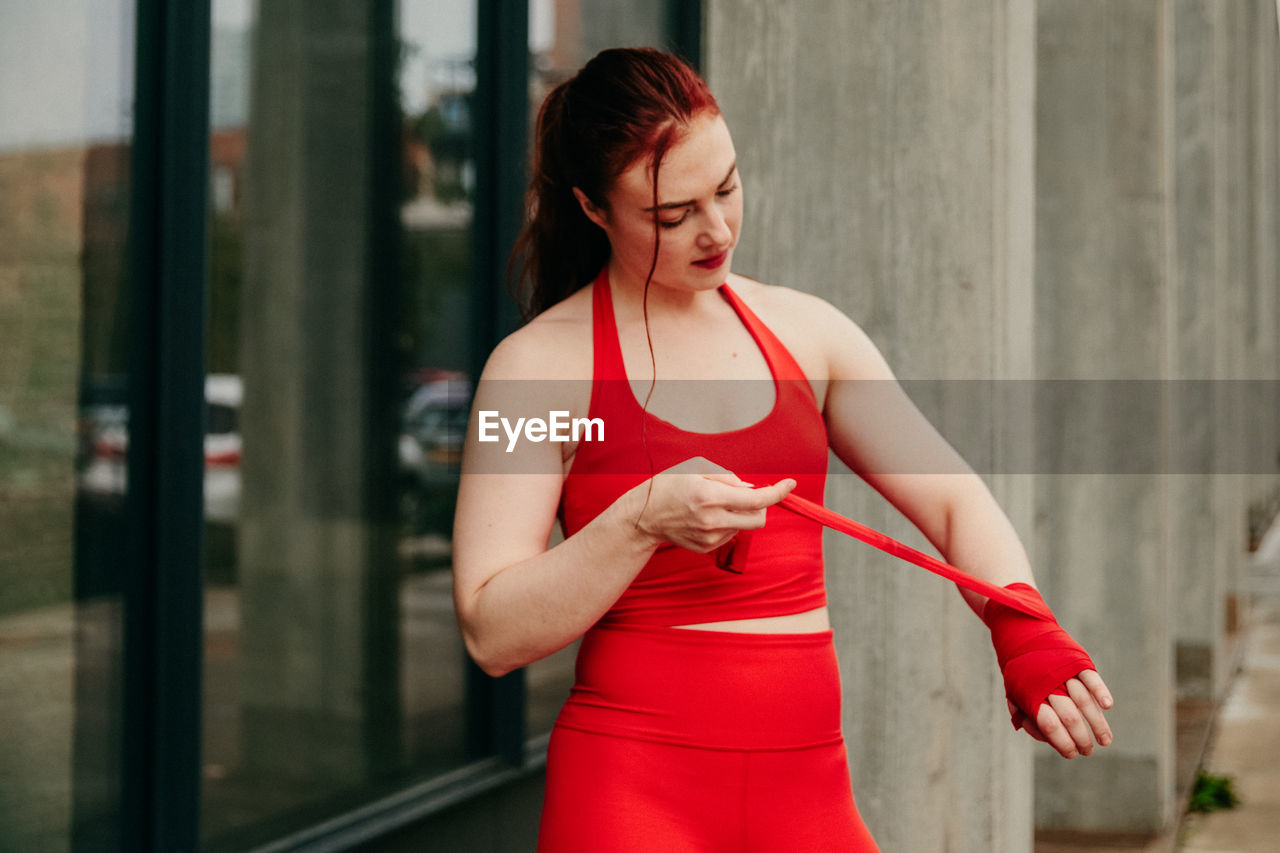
1036, 655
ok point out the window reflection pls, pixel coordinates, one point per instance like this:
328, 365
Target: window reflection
333, 668
437, 85
64, 212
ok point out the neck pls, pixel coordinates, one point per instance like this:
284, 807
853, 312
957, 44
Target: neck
629, 291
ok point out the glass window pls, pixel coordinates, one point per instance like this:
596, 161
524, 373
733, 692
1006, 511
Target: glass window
564, 34
334, 670
66, 80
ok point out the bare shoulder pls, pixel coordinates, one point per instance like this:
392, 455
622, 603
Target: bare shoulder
826, 342
554, 345
785, 303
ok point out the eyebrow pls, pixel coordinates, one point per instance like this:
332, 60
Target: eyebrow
672, 205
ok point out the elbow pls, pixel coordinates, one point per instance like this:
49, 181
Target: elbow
492, 666
473, 640
494, 671
488, 659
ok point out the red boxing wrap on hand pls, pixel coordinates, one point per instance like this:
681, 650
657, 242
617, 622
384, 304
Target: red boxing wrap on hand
1036, 656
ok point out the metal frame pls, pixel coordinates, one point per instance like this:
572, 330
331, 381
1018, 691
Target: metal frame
500, 127
495, 708
163, 593
384, 816
382, 377
684, 25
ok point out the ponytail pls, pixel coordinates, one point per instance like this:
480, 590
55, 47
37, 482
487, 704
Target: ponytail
624, 104
560, 247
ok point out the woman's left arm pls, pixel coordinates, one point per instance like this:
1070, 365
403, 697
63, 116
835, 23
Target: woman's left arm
879, 433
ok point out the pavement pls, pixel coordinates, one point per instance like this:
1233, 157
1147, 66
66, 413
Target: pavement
1238, 738
1245, 743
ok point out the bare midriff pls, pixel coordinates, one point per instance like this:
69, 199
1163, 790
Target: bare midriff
810, 621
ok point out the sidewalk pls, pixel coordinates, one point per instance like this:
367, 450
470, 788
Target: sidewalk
1246, 739
1243, 742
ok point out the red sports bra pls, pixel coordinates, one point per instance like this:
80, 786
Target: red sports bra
783, 572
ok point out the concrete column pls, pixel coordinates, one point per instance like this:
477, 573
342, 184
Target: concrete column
886, 157
1102, 287
319, 615
1233, 264
1263, 408
1200, 588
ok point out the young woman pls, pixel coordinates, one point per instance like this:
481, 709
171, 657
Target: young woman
706, 710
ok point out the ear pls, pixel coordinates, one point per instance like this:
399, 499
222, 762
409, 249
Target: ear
595, 214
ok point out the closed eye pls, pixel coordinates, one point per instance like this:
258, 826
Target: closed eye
724, 193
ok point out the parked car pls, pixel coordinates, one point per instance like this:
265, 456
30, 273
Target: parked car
433, 430
432, 433
104, 446
223, 395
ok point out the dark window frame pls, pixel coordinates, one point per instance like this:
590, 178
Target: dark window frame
163, 588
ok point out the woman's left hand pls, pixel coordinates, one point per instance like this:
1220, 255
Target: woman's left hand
1071, 724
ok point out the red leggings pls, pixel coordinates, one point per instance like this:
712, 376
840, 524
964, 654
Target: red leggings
701, 742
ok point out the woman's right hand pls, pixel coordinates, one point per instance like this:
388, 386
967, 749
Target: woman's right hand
699, 505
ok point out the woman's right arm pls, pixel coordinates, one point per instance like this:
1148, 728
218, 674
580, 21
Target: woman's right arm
518, 601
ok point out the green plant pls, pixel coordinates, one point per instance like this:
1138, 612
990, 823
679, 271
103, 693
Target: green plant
1212, 793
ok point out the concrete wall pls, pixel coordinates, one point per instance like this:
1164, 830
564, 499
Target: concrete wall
1223, 317
1201, 592
886, 158
1264, 302
1102, 293
1082, 190
1156, 259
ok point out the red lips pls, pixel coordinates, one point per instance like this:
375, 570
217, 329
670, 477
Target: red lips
713, 262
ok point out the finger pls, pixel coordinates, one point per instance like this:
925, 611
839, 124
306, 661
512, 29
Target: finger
1092, 713
761, 498
721, 518
1032, 729
787, 486
1074, 722
1097, 687
729, 479
706, 541
1055, 733
1025, 723
746, 520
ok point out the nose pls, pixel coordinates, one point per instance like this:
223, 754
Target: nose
716, 231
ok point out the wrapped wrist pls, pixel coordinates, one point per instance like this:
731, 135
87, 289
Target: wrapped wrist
1036, 656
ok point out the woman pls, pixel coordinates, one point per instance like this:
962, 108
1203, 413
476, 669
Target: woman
705, 715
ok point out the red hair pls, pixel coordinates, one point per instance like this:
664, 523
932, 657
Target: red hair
625, 104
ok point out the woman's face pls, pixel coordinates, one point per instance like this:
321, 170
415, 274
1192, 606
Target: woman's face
699, 212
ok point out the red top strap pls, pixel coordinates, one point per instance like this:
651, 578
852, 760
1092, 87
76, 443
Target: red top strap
779, 357
783, 573
606, 354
